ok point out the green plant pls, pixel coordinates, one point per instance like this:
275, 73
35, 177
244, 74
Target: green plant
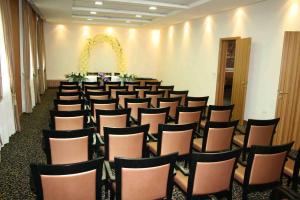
76, 77
128, 77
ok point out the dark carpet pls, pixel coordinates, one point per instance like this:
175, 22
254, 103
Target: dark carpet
25, 148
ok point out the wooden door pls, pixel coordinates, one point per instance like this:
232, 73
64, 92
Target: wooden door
240, 77
288, 98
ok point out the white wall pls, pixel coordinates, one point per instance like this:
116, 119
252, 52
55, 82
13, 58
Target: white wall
189, 55
65, 42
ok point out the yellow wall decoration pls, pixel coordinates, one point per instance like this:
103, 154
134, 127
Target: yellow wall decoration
90, 45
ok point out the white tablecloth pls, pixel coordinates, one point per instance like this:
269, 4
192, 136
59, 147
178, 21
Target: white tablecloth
92, 78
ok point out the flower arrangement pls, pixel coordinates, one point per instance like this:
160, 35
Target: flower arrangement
102, 77
127, 77
76, 77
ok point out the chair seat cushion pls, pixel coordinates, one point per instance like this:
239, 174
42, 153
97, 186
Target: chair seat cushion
197, 144
181, 180
152, 147
240, 173
239, 140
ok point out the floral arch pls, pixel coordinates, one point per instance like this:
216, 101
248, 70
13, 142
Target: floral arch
90, 45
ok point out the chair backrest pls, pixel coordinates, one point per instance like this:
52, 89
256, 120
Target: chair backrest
98, 95
90, 84
141, 90
131, 85
125, 142
80, 180
182, 94
188, 115
95, 88
218, 136
66, 147
121, 96
196, 101
219, 113
175, 138
114, 89
173, 103
68, 105
166, 90
69, 89
68, 84
153, 84
109, 104
68, 120
107, 85
153, 117
69, 96
112, 119
211, 173
260, 132
135, 104
150, 177
265, 165
154, 95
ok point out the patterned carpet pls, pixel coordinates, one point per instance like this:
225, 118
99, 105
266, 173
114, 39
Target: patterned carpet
25, 148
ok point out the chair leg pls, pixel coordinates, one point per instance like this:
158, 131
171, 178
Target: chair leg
245, 195
289, 181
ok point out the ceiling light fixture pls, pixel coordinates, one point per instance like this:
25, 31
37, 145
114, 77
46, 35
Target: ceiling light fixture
89, 19
152, 8
138, 16
93, 13
98, 3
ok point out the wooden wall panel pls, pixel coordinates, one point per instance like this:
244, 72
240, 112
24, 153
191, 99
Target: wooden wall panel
53, 83
288, 101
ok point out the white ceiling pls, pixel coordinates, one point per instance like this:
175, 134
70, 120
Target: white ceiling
124, 12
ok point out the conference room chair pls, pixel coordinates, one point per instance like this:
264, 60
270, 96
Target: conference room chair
68, 84
291, 170
217, 136
107, 85
218, 114
66, 147
68, 120
153, 84
153, 117
106, 104
172, 103
82, 181
154, 95
208, 174
89, 84
97, 88
69, 96
166, 90
98, 95
196, 101
131, 85
258, 132
264, 168
284, 193
134, 105
114, 89
188, 115
172, 139
182, 94
69, 105
64, 89
148, 178
141, 90
122, 95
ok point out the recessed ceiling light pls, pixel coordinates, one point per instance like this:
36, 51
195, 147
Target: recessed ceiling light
89, 19
93, 12
152, 8
98, 3
138, 16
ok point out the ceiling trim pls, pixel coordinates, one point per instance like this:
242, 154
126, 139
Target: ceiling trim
112, 18
77, 8
151, 3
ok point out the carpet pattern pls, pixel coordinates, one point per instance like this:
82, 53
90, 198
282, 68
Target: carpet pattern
25, 148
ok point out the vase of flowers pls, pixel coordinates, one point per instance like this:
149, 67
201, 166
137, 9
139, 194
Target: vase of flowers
127, 78
76, 77
102, 78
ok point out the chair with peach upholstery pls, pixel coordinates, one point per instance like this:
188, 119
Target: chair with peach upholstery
107, 85
69, 105
122, 95
218, 114
114, 89
154, 95
172, 103
66, 147
148, 178
69, 96
153, 117
97, 95
258, 132
141, 90
182, 94
292, 169
153, 84
134, 105
217, 137
196, 101
68, 84
131, 85
64, 89
109, 104
89, 84
93, 89
209, 174
68, 120
166, 90
264, 168
81, 180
